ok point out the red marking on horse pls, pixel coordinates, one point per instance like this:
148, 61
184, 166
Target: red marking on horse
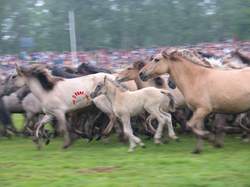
77, 94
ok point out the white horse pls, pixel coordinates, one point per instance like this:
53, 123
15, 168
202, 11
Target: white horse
125, 104
58, 96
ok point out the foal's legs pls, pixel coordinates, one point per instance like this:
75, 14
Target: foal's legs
155, 113
171, 132
133, 140
162, 118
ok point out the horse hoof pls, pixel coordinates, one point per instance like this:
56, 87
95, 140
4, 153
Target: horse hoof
217, 145
196, 151
143, 145
65, 146
131, 150
246, 140
47, 142
174, 137
158, 141
178, 140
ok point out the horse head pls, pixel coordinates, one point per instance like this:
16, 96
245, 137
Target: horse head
99, 89
159, 64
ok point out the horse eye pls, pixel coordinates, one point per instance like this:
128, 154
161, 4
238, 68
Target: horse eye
157, 60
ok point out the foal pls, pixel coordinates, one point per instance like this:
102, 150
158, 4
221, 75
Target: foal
126, 104
132, 73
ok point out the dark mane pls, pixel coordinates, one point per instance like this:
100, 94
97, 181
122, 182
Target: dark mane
159, 82
47, 81
90, 69
121, 87
193, 57
244, 58
138, 64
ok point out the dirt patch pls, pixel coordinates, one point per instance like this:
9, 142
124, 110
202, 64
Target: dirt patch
101, 169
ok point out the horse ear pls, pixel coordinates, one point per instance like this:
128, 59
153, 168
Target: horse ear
105, 78
18, 69
164, 54
172, 53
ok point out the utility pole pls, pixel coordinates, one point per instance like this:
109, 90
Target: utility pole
72, 34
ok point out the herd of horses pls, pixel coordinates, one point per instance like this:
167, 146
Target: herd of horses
177, 89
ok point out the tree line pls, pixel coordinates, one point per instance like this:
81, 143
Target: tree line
120, 24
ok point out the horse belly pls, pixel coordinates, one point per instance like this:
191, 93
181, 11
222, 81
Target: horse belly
233, 104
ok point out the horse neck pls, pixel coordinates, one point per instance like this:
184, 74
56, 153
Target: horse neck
186, 74
111, 91
36, 88
139, 83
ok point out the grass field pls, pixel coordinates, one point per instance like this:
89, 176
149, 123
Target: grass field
109, 164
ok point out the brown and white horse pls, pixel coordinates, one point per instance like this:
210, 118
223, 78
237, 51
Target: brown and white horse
205, 90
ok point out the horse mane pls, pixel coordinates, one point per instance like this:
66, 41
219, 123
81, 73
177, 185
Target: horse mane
84, 67
245, 59
121, 87
159, 82
139, 64
47, 81
193, 57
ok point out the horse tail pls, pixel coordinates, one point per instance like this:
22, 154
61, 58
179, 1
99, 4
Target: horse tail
149, 122
171, 104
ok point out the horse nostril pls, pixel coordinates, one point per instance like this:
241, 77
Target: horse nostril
141, 75
92, 95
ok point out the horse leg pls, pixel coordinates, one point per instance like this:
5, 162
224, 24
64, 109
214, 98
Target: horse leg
171, 132
112, 121
133, 140
196, 124
220, 121
28, 121
60, 116
46, 119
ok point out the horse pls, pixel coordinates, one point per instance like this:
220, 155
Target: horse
58, 96
130, 103
236, 60
5, 119
132, 73
212, 90
90, 69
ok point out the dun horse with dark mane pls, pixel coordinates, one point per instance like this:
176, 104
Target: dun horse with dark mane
205, 90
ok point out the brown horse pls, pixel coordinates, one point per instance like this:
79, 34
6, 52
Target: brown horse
205, 90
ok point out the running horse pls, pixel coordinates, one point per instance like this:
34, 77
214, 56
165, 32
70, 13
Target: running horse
58, 96
206, 90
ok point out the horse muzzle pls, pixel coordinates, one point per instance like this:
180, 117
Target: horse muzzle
93, 95
143, 76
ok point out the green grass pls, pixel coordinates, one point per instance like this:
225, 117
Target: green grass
109, 164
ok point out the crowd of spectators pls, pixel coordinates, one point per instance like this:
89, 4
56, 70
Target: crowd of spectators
111, 59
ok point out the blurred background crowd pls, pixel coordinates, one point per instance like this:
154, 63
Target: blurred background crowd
111, 59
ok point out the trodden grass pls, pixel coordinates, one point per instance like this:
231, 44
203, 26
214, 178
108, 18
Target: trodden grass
109, 164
